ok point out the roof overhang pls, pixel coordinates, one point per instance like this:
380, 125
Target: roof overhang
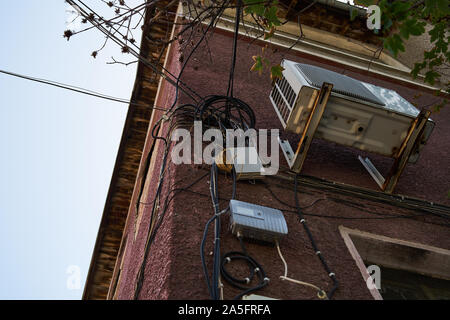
128, 160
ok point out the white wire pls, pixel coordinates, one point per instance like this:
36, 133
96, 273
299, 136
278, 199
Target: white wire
285, 277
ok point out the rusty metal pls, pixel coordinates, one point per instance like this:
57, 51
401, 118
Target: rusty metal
311, 126
413, 137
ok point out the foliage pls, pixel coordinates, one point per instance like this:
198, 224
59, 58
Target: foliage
261, 63
266, 15
403, 19
400, 20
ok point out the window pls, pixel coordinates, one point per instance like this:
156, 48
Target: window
405, 285
408, 270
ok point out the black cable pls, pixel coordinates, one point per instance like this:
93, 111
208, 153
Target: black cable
383, 216
155, 66
233, 62
332, 217
216, 108
313, 243
254, 269
76, 89
216, 17
215, 199
213, 282
152, 235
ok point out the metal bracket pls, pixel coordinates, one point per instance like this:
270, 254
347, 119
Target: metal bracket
296, 160
412, 139
376, 175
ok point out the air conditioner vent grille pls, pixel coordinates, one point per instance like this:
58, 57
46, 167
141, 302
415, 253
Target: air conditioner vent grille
283, 97
342, 84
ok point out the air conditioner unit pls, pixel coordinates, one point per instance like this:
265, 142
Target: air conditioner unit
316, 102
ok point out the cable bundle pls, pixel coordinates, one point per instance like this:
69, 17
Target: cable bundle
254, 268
213, 283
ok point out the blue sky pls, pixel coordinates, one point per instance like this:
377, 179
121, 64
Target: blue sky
58, 148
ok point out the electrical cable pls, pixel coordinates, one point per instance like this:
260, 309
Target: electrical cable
320, 293
213, 284
313, 243
383, 216
328, 216
254, 269
235, 38
152, 235
155, 66
76, 89
224, 112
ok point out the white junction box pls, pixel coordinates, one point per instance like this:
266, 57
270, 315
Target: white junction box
246, 162
257, 222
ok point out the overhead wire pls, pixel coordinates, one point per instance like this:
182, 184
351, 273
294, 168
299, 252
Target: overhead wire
155, 65
77, 89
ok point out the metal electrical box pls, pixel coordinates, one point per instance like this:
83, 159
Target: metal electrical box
257, 222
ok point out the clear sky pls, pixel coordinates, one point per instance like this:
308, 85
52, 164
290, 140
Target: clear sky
58, 147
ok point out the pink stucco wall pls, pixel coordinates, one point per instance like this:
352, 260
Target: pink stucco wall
173, 269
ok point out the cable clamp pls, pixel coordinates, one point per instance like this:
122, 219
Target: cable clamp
318, 252
302, 221
266, 279
164, 118
247, 280
228, 259
322, 294
331, 275
256, 270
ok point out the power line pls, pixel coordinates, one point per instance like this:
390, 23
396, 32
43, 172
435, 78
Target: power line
76, 89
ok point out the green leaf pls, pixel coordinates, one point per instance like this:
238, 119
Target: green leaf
437, 32
417, 68
254, 6
268, 35
431, 77
437, 9
400, 8
271, 15
276, 72
387, 24
412, 27
394, 44
258, 65
353, 13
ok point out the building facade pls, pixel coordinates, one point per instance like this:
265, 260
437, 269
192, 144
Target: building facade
152, 251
